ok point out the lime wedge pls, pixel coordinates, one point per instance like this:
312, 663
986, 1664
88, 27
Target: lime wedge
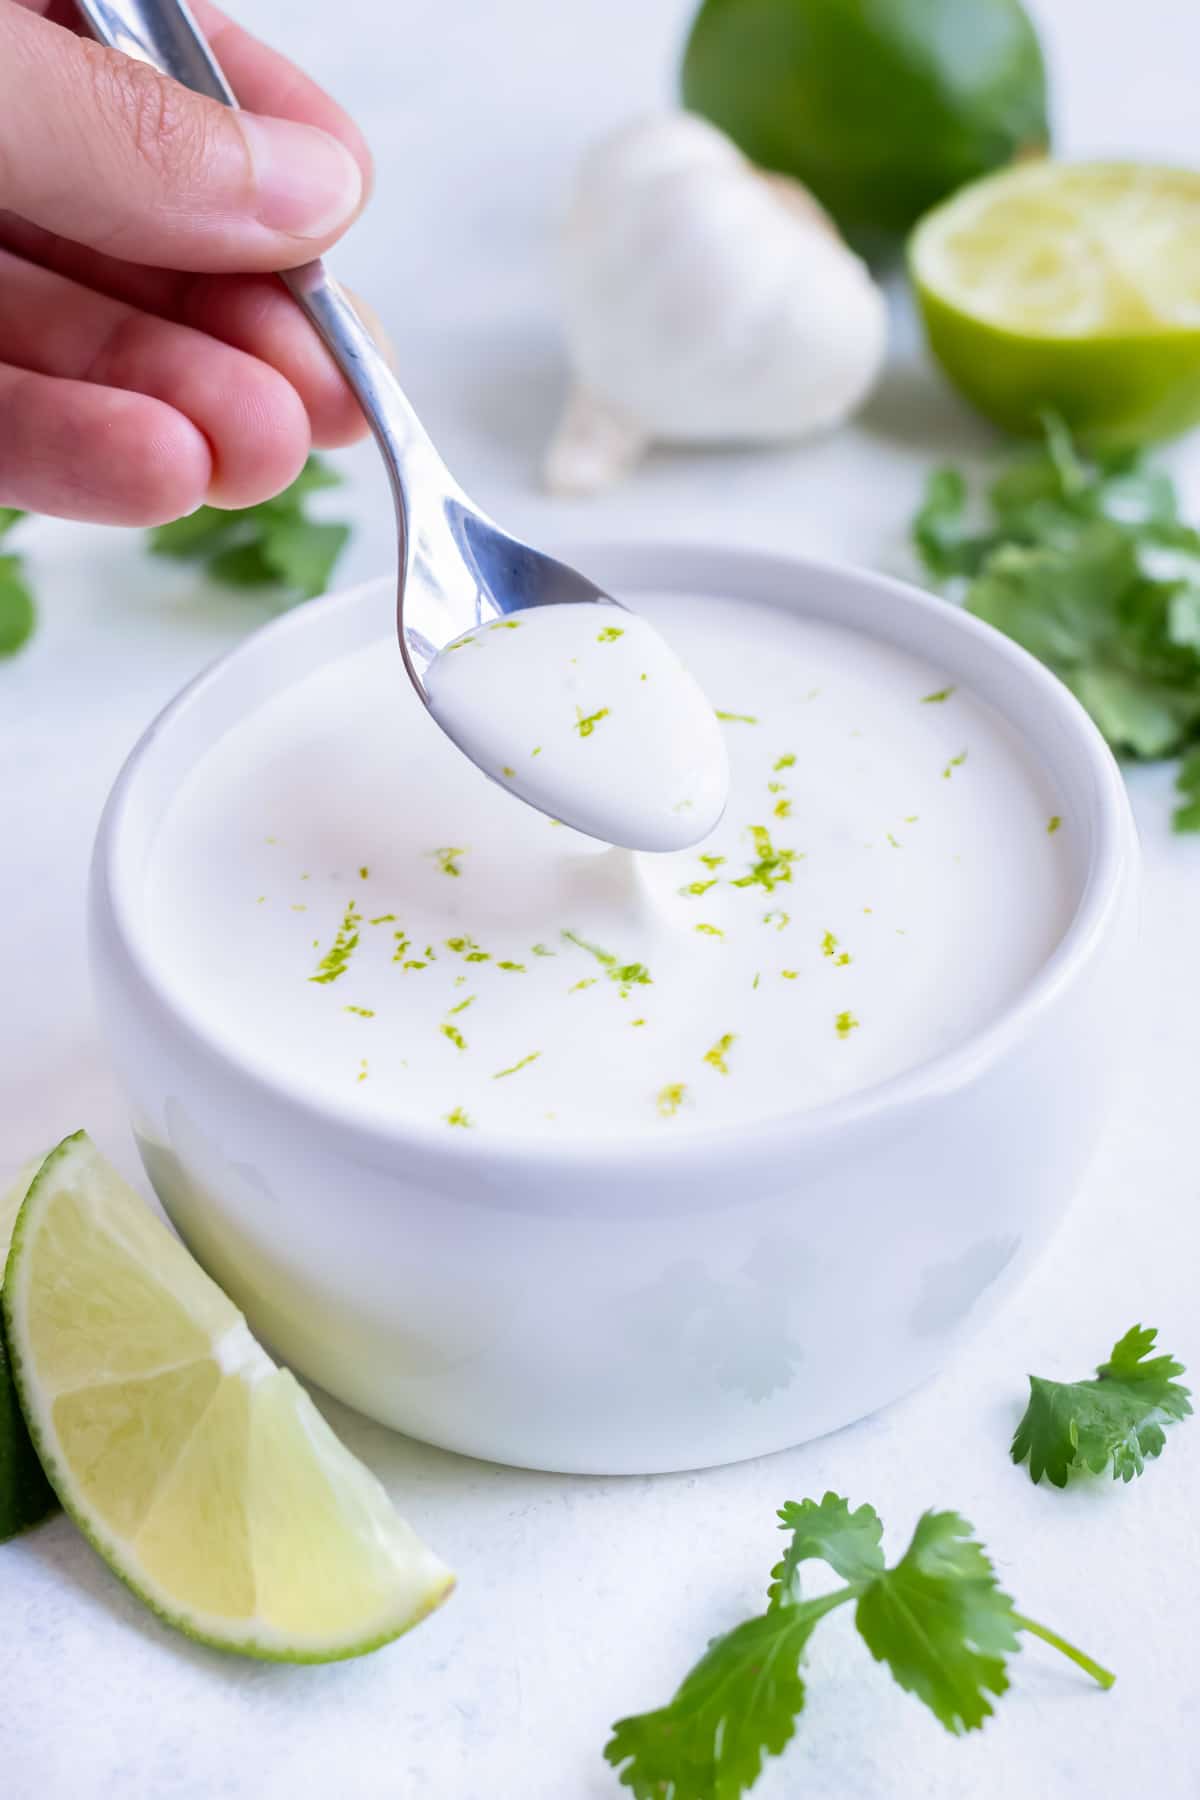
1070, 287
25, 1494
203, 1474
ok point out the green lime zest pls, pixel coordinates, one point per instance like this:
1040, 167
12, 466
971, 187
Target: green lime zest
671, 1098
1053, 824
517, 1066
586, 723
786, 761
694, 889
610, 634
447, 859
459, 1116
771, 866
732, 718
709, 930
454, 1034
716, 1054
336, 960
936, 699
845, 1023
626, 975
364, 1012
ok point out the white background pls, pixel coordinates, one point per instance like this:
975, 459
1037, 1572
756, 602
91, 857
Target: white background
581, 1600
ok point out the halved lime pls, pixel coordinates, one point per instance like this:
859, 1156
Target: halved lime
25, 1494
1073, 288
203, 1474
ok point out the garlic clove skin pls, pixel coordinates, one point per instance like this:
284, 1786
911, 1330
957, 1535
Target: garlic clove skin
705, 302
595, 445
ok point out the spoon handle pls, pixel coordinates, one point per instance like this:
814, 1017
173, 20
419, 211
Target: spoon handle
164, 34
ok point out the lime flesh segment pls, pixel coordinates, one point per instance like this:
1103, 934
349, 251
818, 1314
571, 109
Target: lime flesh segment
202, 1473
1071, 287
25, 1495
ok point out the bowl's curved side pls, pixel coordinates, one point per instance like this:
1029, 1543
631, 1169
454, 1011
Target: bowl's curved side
627, 1308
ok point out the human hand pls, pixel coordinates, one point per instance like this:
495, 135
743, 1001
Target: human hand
149, 361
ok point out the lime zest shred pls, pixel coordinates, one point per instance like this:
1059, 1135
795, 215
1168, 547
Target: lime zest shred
777, 917
936, 699
771, 867
626, 975
507, 771
542, 950
789, 974
362, 1070
956, 762
1053, 824
446, 859
517, 1066
364, 1012
844, 1024
402, 947
709, 930
712, 862
587, 982
610, 634
336, 959
636, 1022
694, 889
364, 873
732, 718
458, 1116
454, 1034
383, 919
586, 723
505, 625
894, 842
513, 968
783, 809
671, 1098
716, 1054
463, 1004
786, 761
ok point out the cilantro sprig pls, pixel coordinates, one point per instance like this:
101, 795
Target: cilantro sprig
1116, 1418
1087, 564
18, 614
274, 544
937, 1618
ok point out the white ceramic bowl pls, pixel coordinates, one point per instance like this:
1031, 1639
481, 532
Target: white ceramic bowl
640, 1306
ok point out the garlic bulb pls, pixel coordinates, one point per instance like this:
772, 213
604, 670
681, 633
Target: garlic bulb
706, 303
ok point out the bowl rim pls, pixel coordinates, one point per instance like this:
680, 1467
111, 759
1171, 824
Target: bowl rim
1110, 872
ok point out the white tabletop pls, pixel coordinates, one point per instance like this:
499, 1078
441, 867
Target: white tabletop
581, 1600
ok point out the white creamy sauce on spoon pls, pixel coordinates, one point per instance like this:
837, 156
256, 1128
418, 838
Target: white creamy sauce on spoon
587, 714
340, 897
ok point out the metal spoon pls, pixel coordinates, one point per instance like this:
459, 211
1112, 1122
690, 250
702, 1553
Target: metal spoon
457, 569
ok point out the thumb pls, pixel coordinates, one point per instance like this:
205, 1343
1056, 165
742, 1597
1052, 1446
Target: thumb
105, 151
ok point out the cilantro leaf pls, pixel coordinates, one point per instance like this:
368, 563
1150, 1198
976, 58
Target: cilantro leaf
274, 544
1186, 816
941, 1623
18, 614
938, 1619
827, 1529
738, 1706
1086, 563
1116, 1418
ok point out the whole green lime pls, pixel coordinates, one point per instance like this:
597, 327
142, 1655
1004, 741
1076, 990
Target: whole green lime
881, 107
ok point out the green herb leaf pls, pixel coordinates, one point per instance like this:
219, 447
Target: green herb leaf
1116, 1418
1186, 816
827, 1530
18, 614
274, 544
937, 1619
1087, 565
738, 1706
941, 1623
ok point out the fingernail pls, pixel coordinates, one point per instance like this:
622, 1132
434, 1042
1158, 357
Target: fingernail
307, 182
